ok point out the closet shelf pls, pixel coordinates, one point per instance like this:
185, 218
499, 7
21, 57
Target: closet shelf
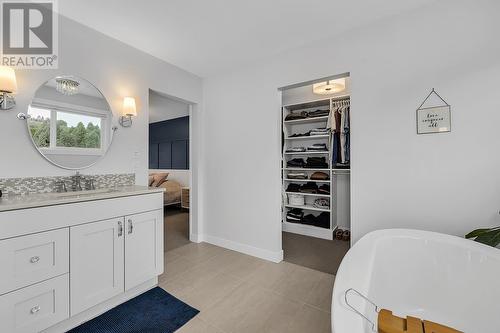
310, 194
308, 153
317, 103
307, 120
309, 208
309, 137
306, 180
305, 169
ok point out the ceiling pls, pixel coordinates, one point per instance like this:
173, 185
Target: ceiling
209, 37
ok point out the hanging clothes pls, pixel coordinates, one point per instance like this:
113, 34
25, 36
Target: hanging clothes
339, 125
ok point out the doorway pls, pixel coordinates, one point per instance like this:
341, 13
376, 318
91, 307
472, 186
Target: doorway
170, 164
316, 170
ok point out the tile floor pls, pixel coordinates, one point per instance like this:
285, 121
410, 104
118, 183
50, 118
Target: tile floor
176, 227
310, 252
237, 293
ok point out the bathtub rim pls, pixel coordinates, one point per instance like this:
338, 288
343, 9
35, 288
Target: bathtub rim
342, 318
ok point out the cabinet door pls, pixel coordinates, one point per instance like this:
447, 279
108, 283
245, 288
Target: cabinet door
143, 247
96, 261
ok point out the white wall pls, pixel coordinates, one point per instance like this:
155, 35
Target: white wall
163, 108
117, 70
443, 182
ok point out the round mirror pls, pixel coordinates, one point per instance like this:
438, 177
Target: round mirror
70, 122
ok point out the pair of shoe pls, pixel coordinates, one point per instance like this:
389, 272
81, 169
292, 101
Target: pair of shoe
344, 235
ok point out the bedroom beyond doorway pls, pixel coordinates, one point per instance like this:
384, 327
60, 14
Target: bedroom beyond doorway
169, 163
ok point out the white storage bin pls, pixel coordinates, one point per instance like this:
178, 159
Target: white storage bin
296, 200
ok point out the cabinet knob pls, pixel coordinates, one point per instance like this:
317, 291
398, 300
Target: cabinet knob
35, 309
34, 259
120, 229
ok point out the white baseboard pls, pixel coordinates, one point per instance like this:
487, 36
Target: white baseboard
274, 256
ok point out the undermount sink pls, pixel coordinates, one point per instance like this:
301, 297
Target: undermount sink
79, 194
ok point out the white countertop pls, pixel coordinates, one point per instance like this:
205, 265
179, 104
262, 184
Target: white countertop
14, 202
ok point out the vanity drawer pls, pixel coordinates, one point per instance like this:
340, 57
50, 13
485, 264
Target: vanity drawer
35, 308
30, 259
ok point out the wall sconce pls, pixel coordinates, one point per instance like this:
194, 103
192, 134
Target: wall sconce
129, 111
8, 87
329, 87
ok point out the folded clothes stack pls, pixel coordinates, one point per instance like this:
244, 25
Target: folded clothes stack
304, 114
318, 113
317, 147
324, 189
293, 188
316, 163
296, 135
322, 203
295, 215
313, 132
296, 115
319, 131
318, 175
322, 220
296, 150
309, 187
297, 175
296, 163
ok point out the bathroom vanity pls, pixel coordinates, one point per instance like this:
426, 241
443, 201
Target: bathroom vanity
68, 257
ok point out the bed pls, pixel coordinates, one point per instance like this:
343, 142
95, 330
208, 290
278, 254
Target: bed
172, 195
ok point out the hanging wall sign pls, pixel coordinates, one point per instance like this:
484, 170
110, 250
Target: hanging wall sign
435, 118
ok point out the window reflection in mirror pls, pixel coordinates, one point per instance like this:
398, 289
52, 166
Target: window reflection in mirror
72, 128
39, 126
78, 130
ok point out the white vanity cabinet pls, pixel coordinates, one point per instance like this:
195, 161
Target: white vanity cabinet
62, 264
97, 261
143, 239
111, 256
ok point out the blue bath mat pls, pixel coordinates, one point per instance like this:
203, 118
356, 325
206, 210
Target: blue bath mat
155, 311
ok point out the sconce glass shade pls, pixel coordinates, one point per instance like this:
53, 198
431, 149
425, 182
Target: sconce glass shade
329, 87
129, 108
8, 83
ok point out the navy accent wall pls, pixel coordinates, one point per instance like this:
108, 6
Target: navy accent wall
169, 144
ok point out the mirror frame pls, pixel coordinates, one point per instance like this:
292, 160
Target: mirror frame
113, 127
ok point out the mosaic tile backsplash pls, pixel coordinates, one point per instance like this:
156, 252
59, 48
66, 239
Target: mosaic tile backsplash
23, 186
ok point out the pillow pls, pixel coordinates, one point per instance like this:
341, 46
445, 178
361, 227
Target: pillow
159, 178
151, 179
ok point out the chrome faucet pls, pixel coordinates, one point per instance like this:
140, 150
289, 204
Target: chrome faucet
60, 186
76, 182
89, 183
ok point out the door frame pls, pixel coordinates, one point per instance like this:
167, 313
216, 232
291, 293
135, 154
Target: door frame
195, 230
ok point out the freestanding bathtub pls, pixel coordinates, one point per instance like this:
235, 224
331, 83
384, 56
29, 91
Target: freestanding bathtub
432, 276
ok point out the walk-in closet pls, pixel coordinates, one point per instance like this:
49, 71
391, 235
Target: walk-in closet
316, 161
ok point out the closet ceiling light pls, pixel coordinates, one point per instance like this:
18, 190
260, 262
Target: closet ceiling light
329, 87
